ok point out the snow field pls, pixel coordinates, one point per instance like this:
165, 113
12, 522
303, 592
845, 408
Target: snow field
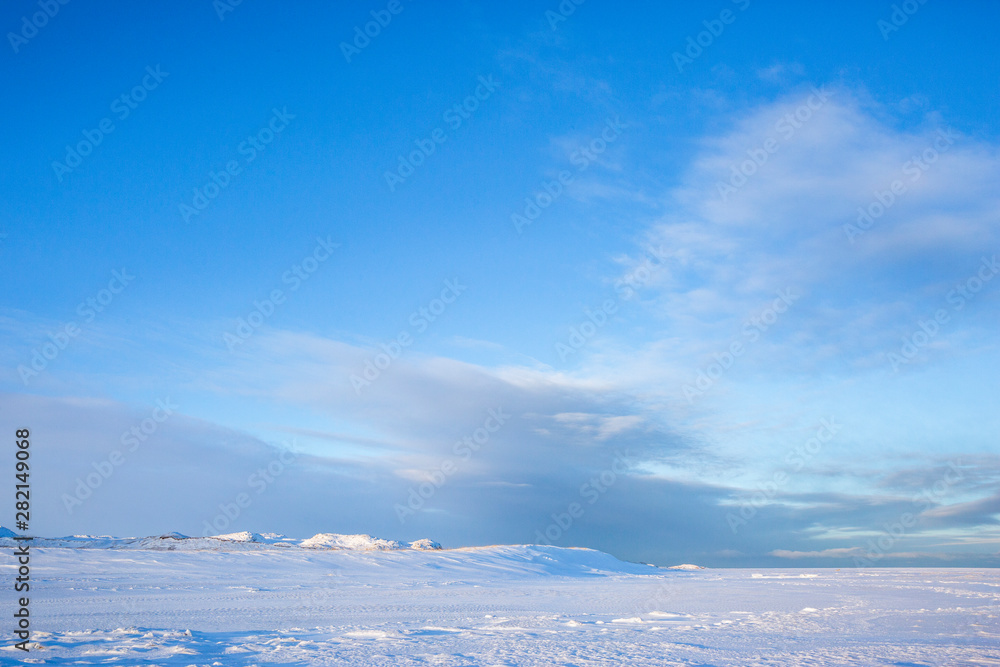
504, 605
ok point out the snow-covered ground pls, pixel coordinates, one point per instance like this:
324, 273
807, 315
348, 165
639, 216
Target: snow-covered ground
354, 600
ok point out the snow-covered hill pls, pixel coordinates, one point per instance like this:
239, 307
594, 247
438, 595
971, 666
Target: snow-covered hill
228, 542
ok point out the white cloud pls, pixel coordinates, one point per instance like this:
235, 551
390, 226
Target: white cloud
825, 553
858, 552
785, 228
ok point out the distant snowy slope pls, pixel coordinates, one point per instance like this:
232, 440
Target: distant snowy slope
229, 542
537, 559
512, 560
362, 542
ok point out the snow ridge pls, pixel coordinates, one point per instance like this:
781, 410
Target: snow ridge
240, 541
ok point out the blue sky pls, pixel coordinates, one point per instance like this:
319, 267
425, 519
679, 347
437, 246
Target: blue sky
746, 283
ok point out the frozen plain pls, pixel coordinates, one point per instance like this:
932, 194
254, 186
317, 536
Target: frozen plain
353, 600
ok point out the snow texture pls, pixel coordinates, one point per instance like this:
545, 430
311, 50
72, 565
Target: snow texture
227, 542
254, 599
